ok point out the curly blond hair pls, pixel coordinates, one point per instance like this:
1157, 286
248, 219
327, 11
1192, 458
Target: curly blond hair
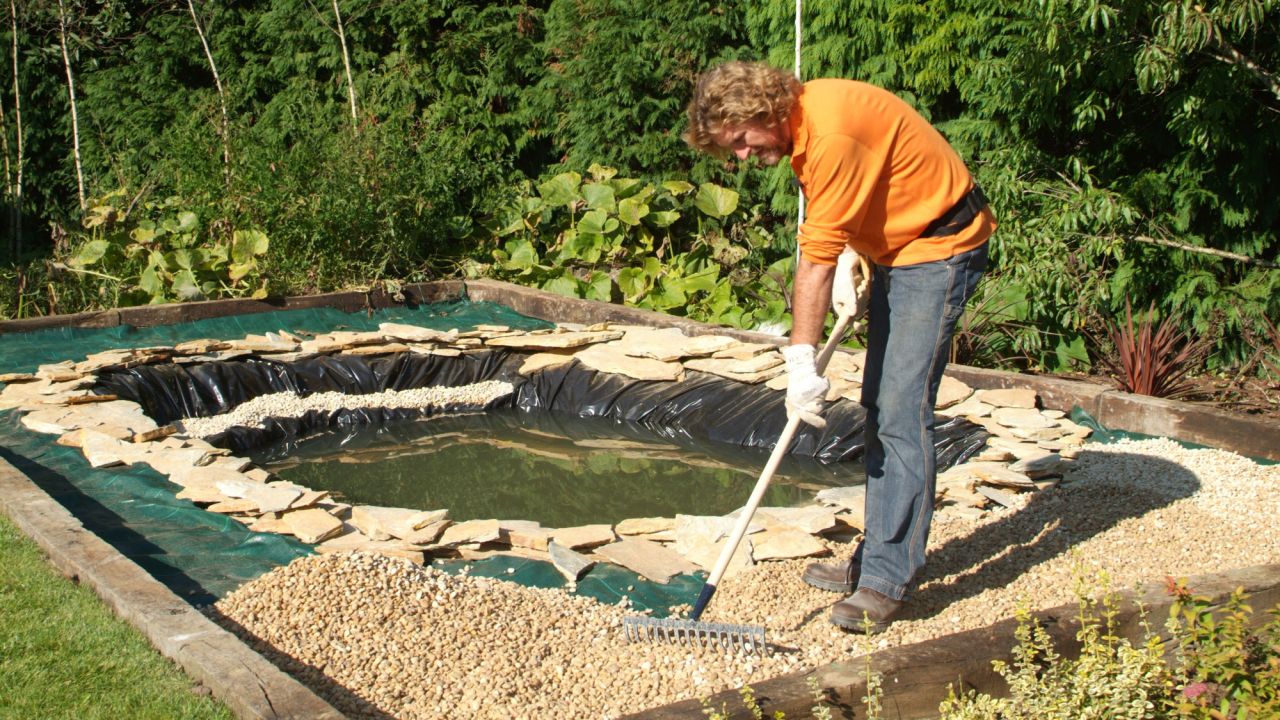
735, 93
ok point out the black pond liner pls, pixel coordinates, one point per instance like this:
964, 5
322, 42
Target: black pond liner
703, 408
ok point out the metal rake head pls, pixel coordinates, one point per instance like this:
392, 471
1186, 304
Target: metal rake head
693, 632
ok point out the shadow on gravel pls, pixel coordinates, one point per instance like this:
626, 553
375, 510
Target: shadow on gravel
1104, 489
350, 703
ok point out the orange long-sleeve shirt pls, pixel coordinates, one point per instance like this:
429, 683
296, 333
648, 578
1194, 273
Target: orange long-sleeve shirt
875, 174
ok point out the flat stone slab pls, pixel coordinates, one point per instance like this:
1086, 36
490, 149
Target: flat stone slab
853, 497
951, 391
383, 523
812, 520
415, 333
555, 340
611, 359
471, 531
1021, 418
670, 344
583, 536
647, 559
543, 360
645, 526
570, 564
1008, 397
784, 543
312, 525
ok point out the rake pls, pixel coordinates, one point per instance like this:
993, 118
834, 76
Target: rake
691, 631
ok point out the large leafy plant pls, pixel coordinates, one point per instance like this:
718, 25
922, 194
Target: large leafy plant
671, 246
158, 252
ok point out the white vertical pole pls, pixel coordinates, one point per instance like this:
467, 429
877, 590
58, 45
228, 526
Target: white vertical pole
800, 206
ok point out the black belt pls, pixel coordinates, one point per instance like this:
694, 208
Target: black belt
959, 216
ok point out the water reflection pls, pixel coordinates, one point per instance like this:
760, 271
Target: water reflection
558, 469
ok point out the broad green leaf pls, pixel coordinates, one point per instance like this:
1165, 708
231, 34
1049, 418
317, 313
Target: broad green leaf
561, 189
600, 287
151, 283
665, 296
260, 293
1071, 353
630, 187
187, 221
677, 187
145, 232
601, 173
247, 243
565, 285
701, 281
181, 258
718, 202
522, 255
662, 218
586, 246
185, 286
633, 282
99, 215
237, 271
597, 222
89, 253
631, 210
599, 197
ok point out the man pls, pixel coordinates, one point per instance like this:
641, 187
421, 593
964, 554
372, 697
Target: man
882, 182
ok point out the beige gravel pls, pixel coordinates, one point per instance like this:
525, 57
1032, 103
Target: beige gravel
377, 635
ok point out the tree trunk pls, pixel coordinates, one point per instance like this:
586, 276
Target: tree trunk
16, 242
346, 63
71, 96
222, 96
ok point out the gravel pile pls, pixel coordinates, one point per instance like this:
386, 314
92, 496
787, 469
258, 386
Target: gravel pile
382, 636
253, 412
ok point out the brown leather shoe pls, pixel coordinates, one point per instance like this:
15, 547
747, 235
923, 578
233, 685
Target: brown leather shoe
838, 577
866, 611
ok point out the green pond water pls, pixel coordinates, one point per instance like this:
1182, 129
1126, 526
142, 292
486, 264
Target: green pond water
557, 469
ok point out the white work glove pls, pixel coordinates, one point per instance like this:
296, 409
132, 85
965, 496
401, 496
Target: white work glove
851, 288
805, 387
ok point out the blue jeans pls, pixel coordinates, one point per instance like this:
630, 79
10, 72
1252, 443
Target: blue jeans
914, 309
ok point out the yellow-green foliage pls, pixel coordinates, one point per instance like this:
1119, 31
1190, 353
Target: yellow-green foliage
1223, 670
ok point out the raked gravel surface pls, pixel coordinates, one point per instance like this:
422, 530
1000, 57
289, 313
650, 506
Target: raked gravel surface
378, 636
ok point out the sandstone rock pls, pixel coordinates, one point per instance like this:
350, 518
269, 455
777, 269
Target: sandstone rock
49, 422
383, 523
951, 391
379, 349
812, 519
1019, 449
428, 534
1021, 418
570, 564
1039, 467
743, 350
234, 506
312, 525
850, 498
647, 559
645, 526
584, 536
201, 347
555, 340
1000, 497
785, 543
755, 370
969, 407
1008, 397
544, 360
670, 344
414, 333
471, 531
270, 523
606, 358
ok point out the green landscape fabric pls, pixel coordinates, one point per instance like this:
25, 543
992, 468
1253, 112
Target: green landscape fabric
201, 555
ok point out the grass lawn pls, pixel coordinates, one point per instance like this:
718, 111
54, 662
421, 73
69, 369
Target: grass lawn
63, 654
